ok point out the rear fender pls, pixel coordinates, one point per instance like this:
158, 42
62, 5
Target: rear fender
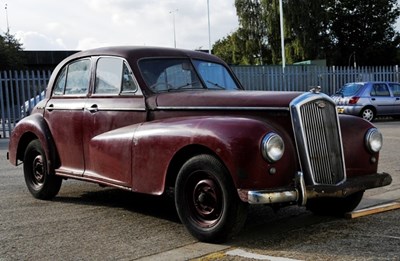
28, 129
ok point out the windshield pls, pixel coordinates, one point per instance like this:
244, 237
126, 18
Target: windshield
349, 89
165, 75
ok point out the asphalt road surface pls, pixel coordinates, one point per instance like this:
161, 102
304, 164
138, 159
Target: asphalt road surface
87, 222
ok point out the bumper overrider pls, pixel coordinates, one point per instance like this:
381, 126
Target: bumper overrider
299, 193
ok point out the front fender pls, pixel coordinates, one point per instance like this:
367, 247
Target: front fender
234, 140
28, 129
358, 159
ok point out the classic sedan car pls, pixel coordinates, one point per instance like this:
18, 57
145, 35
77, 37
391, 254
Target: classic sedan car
151, 120
369, 99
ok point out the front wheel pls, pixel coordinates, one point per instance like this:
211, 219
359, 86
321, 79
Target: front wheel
335, 206
207, 201
40, 184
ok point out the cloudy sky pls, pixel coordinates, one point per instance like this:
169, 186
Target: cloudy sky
84, 24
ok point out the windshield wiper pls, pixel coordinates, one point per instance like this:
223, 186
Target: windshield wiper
216, 85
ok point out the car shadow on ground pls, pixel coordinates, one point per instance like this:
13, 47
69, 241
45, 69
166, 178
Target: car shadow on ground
157, 206
263, 224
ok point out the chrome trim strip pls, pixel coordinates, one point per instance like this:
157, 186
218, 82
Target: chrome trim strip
221, 108
261, 197
101, 109
295, 195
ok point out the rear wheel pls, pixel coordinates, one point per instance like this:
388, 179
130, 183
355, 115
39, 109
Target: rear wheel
368, 114
334, 206
40, 184
207, 201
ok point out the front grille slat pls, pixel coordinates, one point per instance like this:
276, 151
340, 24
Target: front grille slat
318, 139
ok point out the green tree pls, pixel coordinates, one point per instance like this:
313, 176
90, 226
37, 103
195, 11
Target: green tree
307, 29
364, 30
11, 55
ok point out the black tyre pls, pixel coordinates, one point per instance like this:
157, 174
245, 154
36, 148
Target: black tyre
207, 201
368, 114
334, 206
40, 183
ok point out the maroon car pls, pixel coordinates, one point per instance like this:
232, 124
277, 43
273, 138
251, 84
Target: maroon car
150, 119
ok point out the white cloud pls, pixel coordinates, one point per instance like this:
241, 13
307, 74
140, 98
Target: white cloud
38, 41
82, 24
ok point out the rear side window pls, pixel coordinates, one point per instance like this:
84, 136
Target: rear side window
350, 89
395, 89
74, 79
380, 89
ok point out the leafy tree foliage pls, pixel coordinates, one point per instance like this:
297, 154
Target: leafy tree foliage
11, 55
340, 31
363, 30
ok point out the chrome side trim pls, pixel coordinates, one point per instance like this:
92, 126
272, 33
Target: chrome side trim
220, 108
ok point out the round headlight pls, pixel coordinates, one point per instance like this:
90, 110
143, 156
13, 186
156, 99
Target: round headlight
272, 147
373, 140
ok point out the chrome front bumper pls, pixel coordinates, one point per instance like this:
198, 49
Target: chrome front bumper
300, 193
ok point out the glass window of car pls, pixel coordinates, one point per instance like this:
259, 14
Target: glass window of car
108, 76
78, 77
59, 87
395, 89
129, 84
113, 77
380, 89
350, 89
163, 75
215, 75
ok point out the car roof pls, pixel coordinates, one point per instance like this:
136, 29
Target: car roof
135, 53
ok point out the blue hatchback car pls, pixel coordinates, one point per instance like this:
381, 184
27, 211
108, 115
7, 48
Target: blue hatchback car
369, 99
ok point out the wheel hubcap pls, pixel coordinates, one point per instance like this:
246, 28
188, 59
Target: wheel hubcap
38, 170
207, 202
368, 115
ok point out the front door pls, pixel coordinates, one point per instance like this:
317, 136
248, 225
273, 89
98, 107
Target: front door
112, 113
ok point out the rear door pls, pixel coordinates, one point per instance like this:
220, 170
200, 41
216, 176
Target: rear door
64, 114
396, 94
381, 98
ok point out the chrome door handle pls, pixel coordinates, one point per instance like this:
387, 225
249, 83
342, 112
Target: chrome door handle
93, 108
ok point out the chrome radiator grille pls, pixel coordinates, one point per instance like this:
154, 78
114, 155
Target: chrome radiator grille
318, 139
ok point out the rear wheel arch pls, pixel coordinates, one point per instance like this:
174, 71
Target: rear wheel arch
366, 109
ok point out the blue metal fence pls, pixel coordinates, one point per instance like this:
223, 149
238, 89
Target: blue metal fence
18, 94
303, 77
19, 90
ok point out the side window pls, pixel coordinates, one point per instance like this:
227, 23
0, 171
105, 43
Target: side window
113, 77
78, 77
59, 87
108, 76
128, 83
395, 89
380, 89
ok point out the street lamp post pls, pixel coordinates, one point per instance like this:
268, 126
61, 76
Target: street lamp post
8, 25
173, 23
282, 35
209, 31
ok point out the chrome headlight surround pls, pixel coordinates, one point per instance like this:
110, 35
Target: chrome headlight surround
272, 147
373, 140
